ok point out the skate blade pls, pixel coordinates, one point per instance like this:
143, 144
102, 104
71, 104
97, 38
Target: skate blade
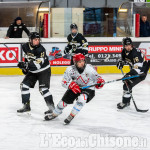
25, 114
66, 123
126, 109
47, 118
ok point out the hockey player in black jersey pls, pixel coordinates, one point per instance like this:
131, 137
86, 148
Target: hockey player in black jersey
135, 59
37, 68
76, 42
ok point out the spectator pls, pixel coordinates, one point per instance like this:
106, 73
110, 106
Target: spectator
15, 29
144, 27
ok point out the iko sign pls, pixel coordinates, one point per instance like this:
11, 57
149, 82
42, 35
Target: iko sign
6, 56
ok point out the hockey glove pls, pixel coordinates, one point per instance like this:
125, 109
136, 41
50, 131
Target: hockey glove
34, 65
74, 87
101, 82
22, 65
120, 64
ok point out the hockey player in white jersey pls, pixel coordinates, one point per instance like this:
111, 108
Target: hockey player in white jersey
76, 76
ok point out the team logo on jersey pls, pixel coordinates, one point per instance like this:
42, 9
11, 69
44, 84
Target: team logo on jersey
136, 67
136, 59
83, 79
38, 61
30, 54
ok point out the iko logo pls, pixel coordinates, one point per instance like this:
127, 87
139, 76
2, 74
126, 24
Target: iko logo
8, 57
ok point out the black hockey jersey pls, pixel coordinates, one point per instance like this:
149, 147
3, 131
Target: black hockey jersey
15, 31
134, 58
77, 43
36, 58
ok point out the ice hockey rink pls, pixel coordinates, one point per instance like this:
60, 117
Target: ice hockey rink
99, 125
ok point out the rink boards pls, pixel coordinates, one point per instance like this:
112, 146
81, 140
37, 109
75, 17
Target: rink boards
104, 54
61, 70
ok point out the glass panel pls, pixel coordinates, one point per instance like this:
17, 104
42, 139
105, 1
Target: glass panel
125, 20
99, 22
9, 11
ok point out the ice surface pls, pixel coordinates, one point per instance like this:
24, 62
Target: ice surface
98, 118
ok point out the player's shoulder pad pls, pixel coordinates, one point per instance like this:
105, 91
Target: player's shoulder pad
80, 34
69, 69
41, 48
134, 49
69, 37
25, 44
82, 37
89, 66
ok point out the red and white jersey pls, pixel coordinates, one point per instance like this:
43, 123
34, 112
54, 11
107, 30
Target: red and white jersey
87, 77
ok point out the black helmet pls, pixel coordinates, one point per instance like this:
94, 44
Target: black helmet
34, 35
73, 26
126, 41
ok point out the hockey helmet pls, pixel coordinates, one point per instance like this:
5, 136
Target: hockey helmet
126, 41
78, 57
73, 26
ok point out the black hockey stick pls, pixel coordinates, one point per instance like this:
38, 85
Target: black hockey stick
138, 110
121, 79
10, 51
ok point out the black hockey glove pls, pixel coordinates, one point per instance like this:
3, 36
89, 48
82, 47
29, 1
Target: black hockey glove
34, 65
120, 64
21, 65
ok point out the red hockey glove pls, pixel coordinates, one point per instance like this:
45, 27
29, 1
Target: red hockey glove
101, 82
74, 87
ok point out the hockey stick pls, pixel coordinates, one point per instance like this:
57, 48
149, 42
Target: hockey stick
13, 55
10, 51
138, 110
121, 79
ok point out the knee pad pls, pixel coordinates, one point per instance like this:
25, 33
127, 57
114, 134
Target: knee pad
44, 92
79, 104
61, 104
24, 88
22, 85
82, 99
126, 94
59, 108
